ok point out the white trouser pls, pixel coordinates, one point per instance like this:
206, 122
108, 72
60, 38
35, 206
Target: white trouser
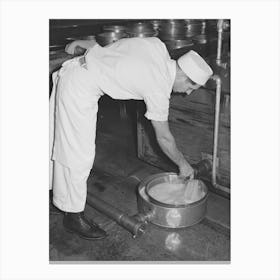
70, 188
73, 114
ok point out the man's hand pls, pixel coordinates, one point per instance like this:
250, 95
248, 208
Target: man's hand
80, 46
74, 48
186, 171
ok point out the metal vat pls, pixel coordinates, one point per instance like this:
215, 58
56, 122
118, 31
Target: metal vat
142, 35
71, 39
194, 27
114, 28
107, 38
178, 44
141, 29
155, 23
167, 215
170, 30
200, 39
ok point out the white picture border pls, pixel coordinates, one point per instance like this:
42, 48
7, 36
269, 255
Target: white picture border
254, 138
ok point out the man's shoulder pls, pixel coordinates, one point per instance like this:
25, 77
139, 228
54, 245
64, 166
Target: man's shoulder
142, 42
155, 41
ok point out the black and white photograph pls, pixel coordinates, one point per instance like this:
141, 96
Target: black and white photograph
139, 140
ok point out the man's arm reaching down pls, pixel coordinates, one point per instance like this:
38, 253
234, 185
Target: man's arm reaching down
168, 145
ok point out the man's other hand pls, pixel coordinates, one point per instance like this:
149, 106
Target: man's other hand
74, 48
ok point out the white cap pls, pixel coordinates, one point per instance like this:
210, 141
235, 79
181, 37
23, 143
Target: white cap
195, 67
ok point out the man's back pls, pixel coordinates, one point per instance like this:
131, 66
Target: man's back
131, 68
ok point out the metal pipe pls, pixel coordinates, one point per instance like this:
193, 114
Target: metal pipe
220, 39
216, 127
220, 26
131, 224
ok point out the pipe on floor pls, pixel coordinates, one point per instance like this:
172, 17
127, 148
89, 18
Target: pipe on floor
133, 225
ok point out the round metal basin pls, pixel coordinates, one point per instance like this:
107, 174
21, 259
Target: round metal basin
107, 38
194, 28
89, 37
155, 23
142, 34
56, 48
200, 39
140, 27
169, 215
178, 44
114, 28
169, 31
71, 39
174, 21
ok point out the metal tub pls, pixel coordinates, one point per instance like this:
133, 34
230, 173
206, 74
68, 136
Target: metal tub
140, 27
143, 34
167, 215
178, 44
168, 31
107, 38
114, 28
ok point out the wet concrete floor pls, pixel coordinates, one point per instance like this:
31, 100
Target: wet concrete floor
113, 180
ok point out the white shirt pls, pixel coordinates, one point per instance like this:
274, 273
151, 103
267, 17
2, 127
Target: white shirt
135, 68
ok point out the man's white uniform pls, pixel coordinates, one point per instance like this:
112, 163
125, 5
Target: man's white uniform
135, 68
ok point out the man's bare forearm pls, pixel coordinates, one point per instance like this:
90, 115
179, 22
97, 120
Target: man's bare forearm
169, 147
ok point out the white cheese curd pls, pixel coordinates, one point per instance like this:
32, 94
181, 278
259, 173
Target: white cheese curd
177, 193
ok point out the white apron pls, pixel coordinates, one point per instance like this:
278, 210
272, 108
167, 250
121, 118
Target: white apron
73, 115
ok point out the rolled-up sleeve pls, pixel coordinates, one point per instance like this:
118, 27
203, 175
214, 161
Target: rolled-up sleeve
156, 93
148, 77
157, 107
